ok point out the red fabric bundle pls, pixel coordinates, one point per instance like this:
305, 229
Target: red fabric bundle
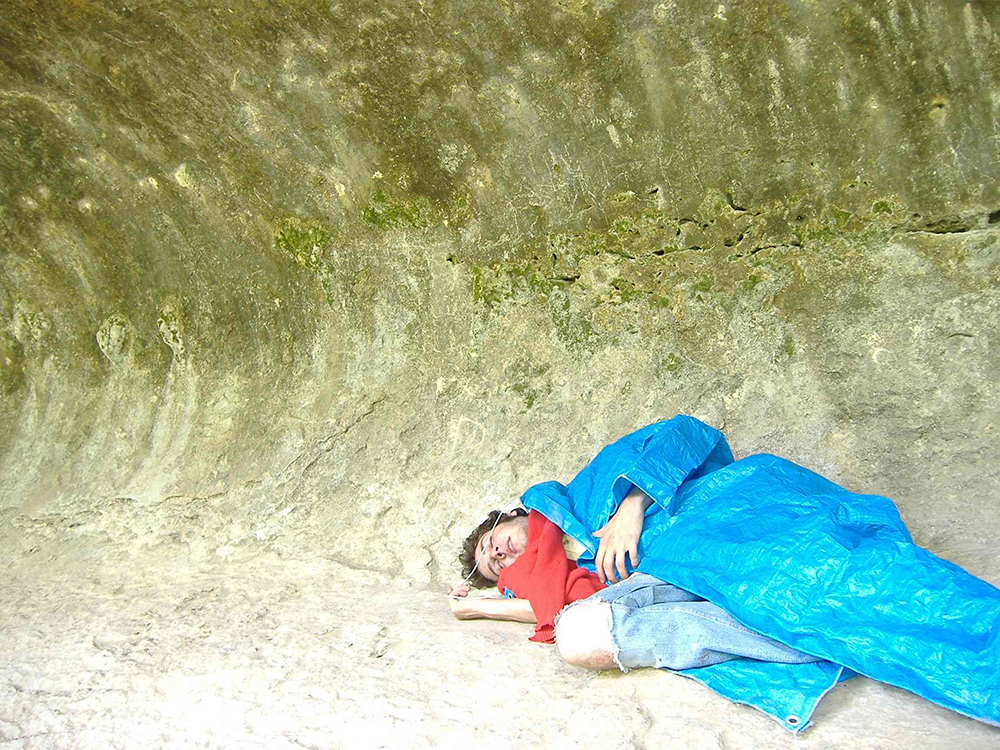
546, 577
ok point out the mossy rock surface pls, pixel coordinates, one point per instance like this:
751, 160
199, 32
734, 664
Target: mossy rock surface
394, 262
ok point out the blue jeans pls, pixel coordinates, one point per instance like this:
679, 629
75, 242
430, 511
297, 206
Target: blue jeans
656, 624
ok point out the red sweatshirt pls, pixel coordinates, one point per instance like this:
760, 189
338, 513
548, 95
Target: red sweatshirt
546, 577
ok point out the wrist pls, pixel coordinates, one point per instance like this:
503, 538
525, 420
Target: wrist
466, 608
636, 503
638, 499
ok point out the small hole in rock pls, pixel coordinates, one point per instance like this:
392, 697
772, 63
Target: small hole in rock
994, 217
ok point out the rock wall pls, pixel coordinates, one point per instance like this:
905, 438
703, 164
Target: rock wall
338, 277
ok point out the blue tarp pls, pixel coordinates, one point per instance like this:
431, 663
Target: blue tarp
796, 557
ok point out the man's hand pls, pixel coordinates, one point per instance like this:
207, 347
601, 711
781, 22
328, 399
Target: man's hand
620, 537
461, 589
465, 607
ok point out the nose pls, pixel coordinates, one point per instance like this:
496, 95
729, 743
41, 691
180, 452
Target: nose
498, 553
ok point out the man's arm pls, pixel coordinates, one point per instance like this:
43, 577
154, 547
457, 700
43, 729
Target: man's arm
475, 607
620, 536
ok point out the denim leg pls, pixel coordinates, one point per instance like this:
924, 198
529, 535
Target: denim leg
641, 590
656, 624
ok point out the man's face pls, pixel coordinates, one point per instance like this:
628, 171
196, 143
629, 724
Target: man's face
501, 548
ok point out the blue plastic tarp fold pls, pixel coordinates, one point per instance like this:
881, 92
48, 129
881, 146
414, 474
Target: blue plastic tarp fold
793, 556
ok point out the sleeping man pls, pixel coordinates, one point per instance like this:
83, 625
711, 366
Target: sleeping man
756, 577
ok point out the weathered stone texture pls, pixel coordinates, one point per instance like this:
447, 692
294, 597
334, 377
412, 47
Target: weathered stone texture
331, 279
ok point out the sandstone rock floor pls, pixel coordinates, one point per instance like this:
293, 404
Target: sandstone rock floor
106, 650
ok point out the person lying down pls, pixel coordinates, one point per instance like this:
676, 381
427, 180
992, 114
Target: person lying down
758, 578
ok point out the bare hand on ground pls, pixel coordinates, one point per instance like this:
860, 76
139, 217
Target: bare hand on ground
464, 608
461, 589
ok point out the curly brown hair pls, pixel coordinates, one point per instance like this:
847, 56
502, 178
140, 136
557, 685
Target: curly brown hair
470, 547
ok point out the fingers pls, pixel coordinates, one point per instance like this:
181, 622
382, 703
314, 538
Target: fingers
619, 537
605, 564
622, 567
460, 590
609, 570
611, 562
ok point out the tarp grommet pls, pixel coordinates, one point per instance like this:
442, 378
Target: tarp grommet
793, 720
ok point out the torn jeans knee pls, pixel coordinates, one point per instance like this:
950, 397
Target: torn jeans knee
594, 634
